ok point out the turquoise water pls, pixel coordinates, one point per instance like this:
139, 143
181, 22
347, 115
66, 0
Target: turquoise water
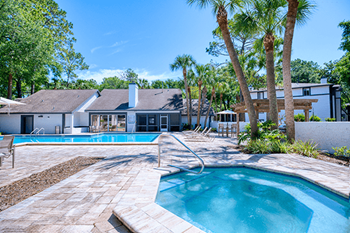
249, 200
117, 137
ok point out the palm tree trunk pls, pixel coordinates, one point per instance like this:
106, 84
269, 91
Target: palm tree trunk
204, 97
199, 102
270, 78
216, 103
211, 100
287, 79
221, 95
9, 88
190, 98
222, 21
184, 72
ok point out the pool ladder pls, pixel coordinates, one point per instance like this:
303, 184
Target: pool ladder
36, 131
181, 168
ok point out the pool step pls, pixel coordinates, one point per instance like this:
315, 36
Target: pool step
175, 182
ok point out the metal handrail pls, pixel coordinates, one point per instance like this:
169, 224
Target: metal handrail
184, 169
41, 129
33, 131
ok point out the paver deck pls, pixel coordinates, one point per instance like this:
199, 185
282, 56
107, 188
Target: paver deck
126, 183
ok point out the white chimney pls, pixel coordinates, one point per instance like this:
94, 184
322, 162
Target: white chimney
323, 80
133, 95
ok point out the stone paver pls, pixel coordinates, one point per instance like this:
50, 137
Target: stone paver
125, 184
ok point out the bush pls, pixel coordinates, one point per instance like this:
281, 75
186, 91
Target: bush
213, 130
330, 119
299, 117
263, 146
264, 132
308, 148
341, 151
315, 118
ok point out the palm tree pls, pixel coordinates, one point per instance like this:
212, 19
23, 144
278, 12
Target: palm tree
219, 7
202, 72
297, 10
184, 62
266, 16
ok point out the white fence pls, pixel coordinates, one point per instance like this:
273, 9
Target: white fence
325, 134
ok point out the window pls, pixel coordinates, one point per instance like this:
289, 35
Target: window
109, 123
260, 95
306, 91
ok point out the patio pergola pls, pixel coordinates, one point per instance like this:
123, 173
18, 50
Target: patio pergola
262, 105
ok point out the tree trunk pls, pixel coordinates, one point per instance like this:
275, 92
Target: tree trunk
190, 98
211, 100
199, 102
221, 95
32, 88
270, 78
19, 88
216, 103
204, 97
222, 21
287, 79
184, 72
9, 88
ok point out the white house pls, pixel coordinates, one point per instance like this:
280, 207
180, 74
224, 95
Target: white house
328, 96
47, 109
74, 111
203, 113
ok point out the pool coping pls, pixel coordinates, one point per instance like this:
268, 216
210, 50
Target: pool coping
139, 212
86, 144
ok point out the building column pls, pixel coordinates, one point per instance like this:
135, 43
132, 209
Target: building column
72, 123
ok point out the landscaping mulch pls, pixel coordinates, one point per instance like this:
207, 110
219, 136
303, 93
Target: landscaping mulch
22, 189
345, 161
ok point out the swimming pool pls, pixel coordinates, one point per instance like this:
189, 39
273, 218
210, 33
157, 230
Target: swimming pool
250, 200
108, 137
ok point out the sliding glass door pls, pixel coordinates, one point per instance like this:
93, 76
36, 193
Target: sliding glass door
110, 122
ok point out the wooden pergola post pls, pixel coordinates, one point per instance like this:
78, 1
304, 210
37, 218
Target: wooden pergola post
237, 120
306, 113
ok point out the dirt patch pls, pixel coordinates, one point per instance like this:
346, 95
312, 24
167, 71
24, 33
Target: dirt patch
345, 161
334, 159
22, 189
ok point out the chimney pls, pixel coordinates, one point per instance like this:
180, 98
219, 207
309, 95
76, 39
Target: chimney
133, 95
323, 80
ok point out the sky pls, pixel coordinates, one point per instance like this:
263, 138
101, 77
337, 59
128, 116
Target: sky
146, 36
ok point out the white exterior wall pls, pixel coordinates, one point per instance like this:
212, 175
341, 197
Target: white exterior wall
325, 134
48, 122
184, 120
320, 109
10, 124
131, 122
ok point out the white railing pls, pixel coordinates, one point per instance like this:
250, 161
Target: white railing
184, 169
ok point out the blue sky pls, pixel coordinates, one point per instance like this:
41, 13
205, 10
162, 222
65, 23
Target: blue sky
114, 35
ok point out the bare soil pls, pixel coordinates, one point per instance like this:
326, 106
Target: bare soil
22, 189
345, 161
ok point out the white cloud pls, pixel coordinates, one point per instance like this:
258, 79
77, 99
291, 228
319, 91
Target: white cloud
96, 48
110, 33
92, 66
104, 73
116, 51
118, 43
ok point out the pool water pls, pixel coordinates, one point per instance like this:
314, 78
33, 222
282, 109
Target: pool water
108, 137
250, 200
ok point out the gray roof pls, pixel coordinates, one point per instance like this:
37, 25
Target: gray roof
195, 108
296, 85
51, 101
149, 99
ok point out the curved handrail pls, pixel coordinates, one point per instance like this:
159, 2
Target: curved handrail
41, 129
187, 170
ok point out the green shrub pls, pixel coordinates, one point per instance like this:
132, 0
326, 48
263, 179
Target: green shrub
299, 117
264, 132
330, 119
315, 118
263, 146
213, 130
341, 151
308, 148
